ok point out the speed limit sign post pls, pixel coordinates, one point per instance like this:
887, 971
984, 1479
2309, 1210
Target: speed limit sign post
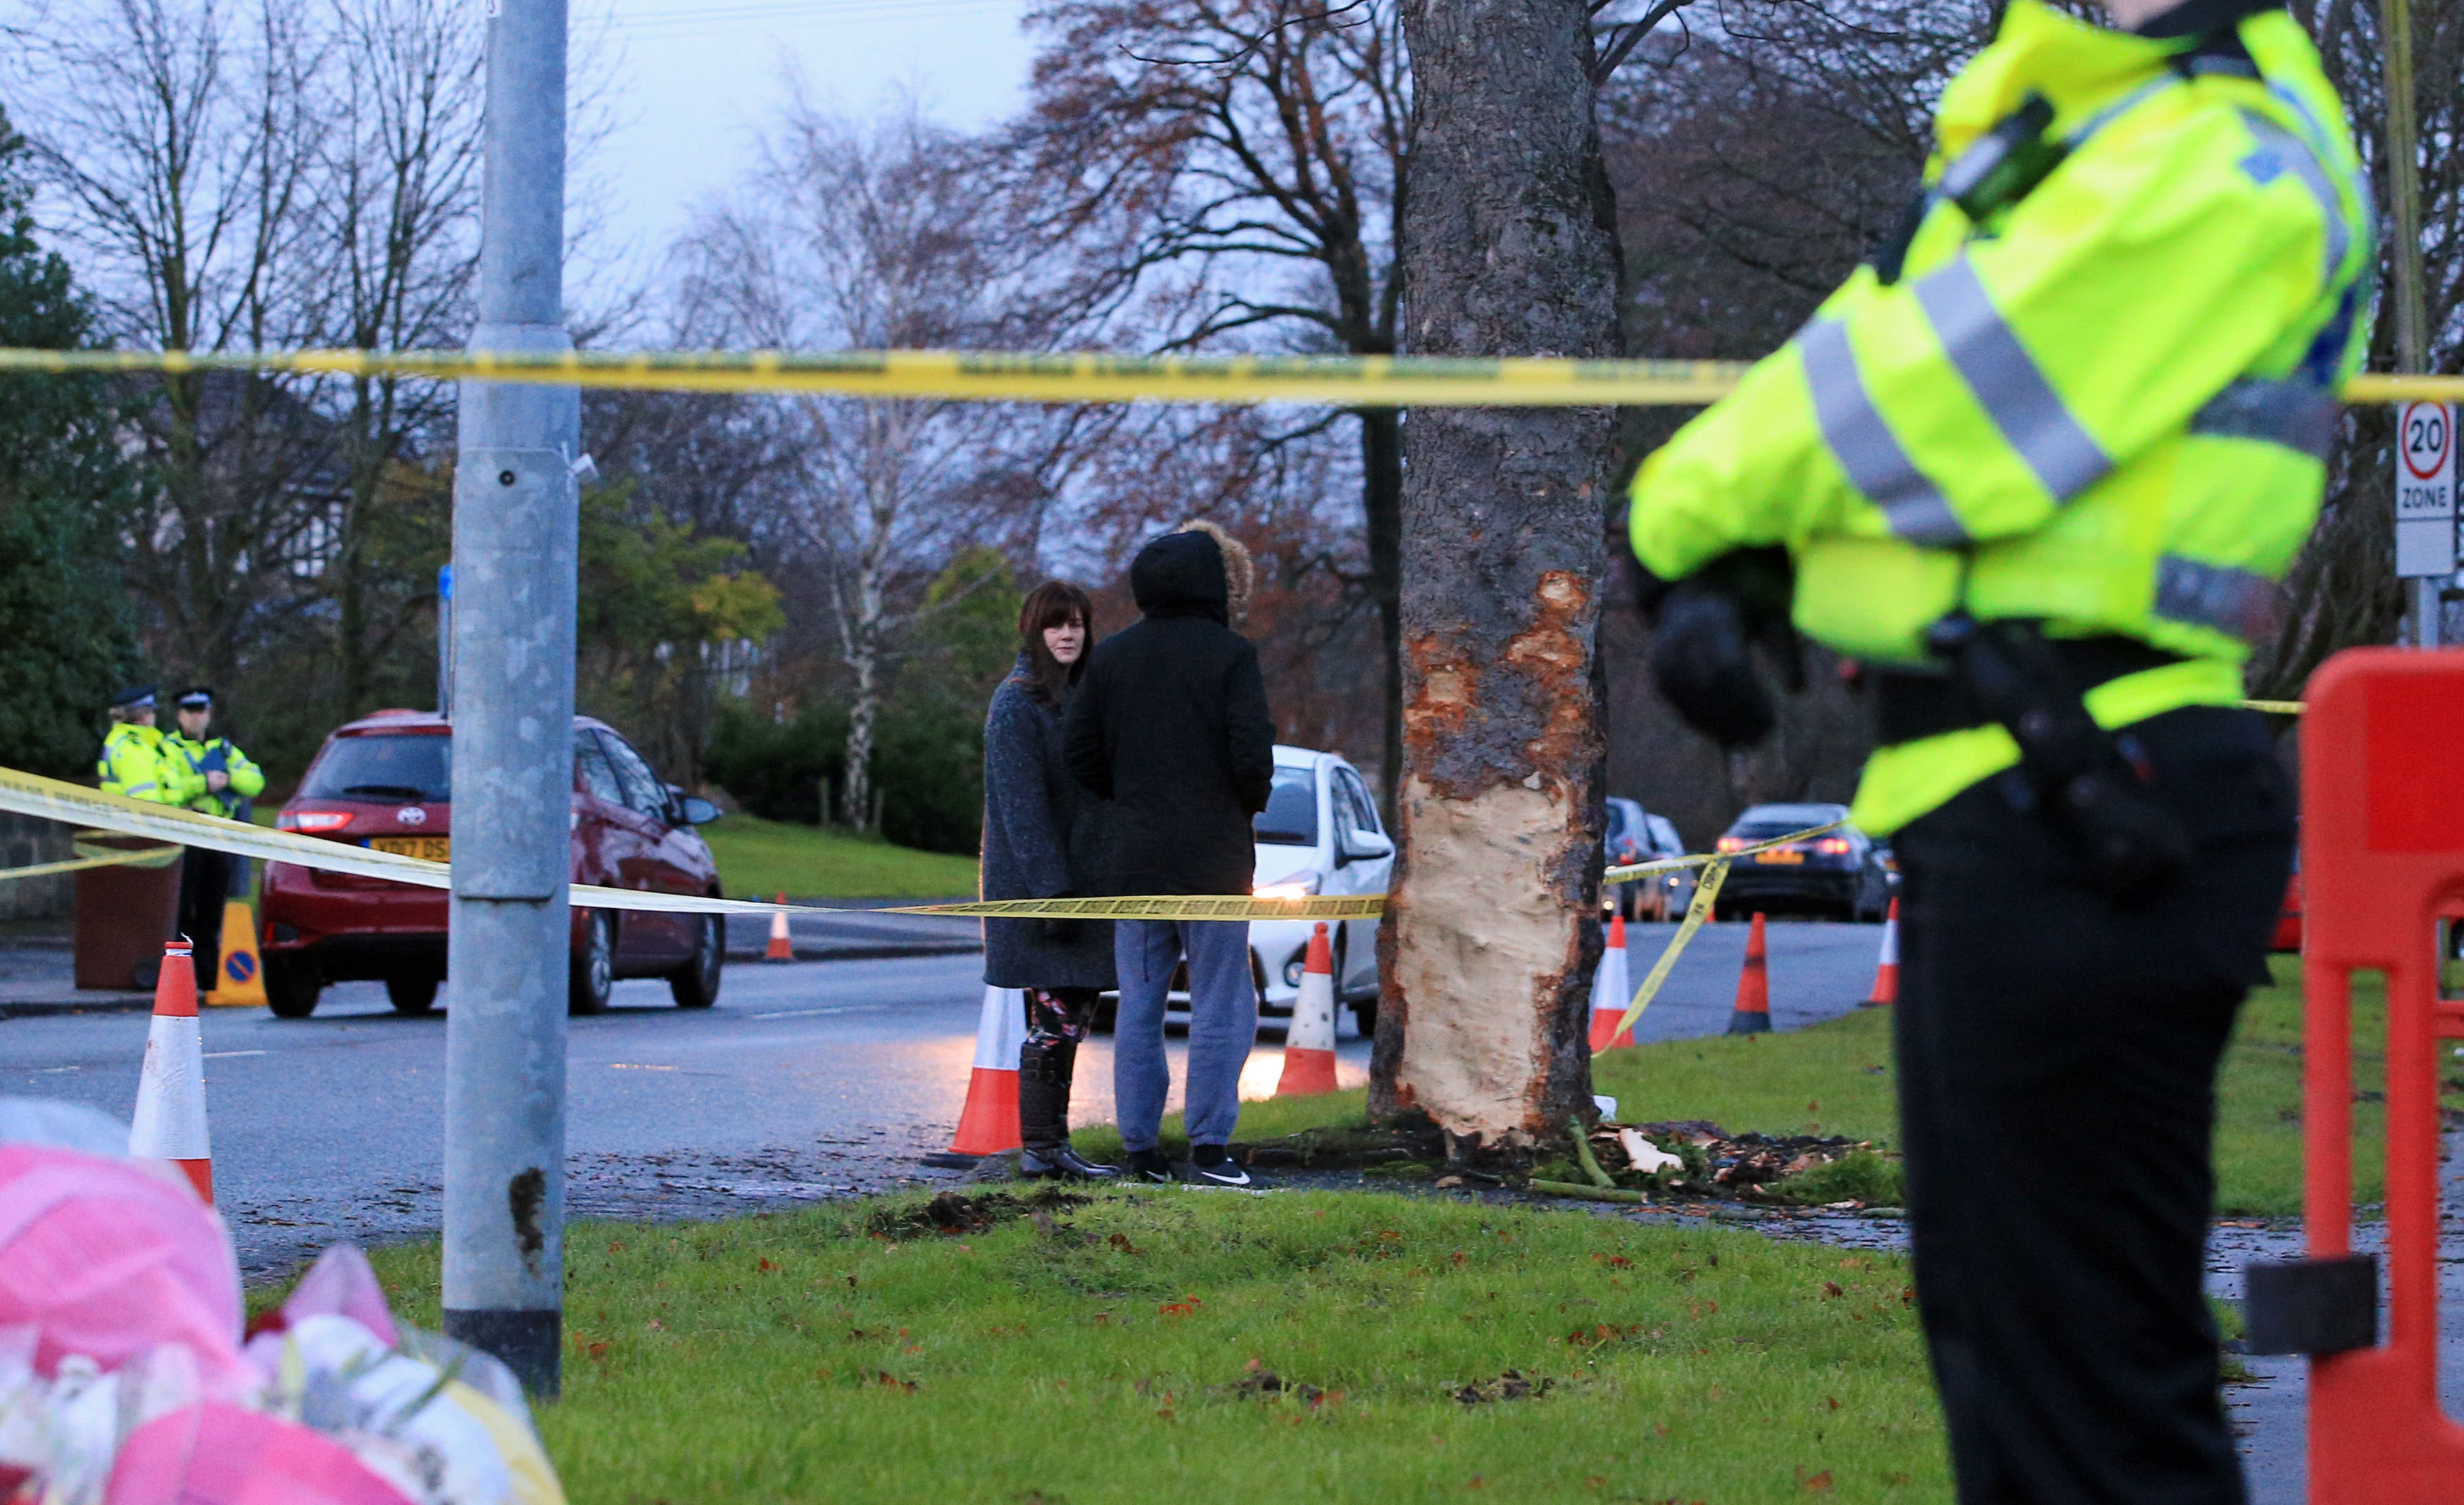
2425, 491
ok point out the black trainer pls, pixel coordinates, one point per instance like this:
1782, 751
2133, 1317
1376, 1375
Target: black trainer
1149, 1164
1062, 1164
1212, 1166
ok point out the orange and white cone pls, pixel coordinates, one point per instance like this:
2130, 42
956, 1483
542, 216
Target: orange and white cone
988, 1125
1886, 973
170, 1121
782, 948
1612, 992
1308, 1042
1753, 1013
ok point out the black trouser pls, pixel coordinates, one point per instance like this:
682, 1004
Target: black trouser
1057, 1021
205, 884
2058, 1060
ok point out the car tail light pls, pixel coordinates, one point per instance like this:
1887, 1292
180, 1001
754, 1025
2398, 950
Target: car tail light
312, 823
1732, 843
1833, 846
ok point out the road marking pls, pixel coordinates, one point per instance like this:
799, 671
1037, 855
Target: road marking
51, 1071
797, 1013
227, 1055
628, 1065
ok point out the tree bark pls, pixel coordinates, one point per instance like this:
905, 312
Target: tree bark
1381, 481
1509, 248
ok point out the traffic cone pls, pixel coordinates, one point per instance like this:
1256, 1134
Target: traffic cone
1612, 992
988, 1125
1753, 1015
782, 948
1886, 974
242, 983
170, 1120
1308, 1042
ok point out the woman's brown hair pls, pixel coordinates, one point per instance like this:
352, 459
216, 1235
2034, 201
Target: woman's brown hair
1051, 604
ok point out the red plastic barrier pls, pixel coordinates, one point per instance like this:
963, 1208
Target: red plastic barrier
2382, 863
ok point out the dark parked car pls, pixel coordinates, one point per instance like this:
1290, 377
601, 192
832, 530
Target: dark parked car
1838, 874
387, 781
1635, 834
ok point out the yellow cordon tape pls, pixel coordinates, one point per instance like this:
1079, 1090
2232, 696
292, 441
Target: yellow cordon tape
1338, 380
97, 857
994, 377
53, 799
1705, 894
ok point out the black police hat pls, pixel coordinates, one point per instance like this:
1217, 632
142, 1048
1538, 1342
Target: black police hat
196, 697
136, 697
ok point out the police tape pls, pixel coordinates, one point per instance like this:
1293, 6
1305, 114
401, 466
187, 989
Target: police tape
55, 799
1084, 376
1627, 872
1338, 380
89, 855
1706, 895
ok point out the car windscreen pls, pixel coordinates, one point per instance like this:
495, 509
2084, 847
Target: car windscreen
1291, 816
401, 767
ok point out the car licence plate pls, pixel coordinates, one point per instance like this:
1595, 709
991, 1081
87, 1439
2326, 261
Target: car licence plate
1779, 854
426, 848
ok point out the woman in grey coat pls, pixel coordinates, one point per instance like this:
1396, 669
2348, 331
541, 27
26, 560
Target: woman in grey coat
1041, 841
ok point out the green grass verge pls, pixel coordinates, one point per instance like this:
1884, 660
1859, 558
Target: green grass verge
1839, 1079
757, 858
1191, 1345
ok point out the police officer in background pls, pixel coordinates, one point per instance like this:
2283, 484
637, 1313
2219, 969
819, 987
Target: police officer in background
135, 762
2039, 468
221, 781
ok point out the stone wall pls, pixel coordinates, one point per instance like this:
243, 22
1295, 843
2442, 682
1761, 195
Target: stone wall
25, 842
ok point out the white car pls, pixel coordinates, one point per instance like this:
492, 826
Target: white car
1319, 834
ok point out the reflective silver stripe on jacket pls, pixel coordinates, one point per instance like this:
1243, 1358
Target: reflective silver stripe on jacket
2281, 150
1864, 446
2218, 596
2298, 415
2008, 383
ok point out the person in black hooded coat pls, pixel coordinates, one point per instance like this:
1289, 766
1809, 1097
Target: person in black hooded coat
1170, 727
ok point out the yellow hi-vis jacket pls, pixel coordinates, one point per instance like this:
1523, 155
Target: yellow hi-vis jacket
217, 754
2107, 408
137, 762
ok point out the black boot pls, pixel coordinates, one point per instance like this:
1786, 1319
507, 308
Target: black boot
1062, 1163
1045, 1067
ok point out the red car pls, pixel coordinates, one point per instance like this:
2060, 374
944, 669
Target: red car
386, 781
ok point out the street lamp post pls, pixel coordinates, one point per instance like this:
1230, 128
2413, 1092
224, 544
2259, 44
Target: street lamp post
514, 554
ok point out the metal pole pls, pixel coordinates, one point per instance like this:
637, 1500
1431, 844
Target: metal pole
445, 641
2411, 319
515, 552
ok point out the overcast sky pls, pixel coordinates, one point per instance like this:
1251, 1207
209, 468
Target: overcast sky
688, 82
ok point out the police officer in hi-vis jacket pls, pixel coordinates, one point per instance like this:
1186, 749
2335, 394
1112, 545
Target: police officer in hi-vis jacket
2039, 468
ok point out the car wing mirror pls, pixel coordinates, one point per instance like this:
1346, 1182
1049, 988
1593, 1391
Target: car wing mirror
1361, 846
699, 811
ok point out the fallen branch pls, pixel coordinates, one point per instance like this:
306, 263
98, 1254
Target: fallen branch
1570, 1189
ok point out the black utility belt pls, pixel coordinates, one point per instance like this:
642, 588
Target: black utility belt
1910, 707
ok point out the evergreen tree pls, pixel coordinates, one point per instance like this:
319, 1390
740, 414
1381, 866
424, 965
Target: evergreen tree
66, 495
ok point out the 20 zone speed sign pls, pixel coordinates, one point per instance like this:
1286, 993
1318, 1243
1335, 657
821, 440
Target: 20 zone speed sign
2424, 490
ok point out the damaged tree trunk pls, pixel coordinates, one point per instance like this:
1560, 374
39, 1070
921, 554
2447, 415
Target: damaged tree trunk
1509, 248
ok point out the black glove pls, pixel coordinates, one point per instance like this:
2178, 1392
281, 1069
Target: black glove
1702, 655
1704, 667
